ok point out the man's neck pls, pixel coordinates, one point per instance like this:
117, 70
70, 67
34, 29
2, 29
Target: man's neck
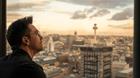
30, 52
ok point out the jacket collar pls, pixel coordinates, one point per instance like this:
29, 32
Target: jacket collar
21, 52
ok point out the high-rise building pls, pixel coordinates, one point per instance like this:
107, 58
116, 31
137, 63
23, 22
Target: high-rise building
96, 61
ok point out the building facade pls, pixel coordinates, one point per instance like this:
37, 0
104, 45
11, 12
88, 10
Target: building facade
96, 61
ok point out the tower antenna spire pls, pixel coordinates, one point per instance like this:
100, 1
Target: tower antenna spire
95, 28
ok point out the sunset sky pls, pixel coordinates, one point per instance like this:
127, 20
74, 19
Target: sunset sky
113, 17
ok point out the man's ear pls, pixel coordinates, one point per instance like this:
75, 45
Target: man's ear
25, 40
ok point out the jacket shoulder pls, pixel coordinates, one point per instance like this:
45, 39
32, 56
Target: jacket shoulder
29, 70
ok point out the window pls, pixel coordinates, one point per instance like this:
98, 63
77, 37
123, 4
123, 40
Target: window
52, 14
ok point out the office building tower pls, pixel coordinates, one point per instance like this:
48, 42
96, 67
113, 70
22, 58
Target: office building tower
96, 61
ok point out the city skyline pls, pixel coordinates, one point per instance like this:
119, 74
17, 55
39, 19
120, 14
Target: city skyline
67, 16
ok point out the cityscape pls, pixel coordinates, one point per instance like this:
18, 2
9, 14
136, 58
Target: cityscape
86, 56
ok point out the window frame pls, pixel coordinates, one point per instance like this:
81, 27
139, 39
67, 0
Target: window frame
2, 27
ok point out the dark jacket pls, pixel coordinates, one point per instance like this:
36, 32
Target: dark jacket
19, 65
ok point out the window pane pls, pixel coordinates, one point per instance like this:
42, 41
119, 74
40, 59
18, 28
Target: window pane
76, 34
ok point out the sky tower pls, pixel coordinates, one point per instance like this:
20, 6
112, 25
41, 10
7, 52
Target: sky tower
95, 28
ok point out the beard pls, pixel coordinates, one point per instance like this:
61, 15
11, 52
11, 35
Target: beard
36, 48
39, 49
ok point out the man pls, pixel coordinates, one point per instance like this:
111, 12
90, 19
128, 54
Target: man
25, 42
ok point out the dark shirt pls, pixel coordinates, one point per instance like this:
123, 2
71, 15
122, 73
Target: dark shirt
20, 65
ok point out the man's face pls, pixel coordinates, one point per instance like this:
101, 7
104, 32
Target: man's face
35, 40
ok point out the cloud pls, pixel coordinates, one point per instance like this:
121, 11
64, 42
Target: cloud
18, 6
89, 13
28, 5
82, 14
13, 16
101, 3
89, 10
79, 15
101, 12
125, 14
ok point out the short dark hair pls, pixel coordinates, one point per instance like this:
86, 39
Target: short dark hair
17, 30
